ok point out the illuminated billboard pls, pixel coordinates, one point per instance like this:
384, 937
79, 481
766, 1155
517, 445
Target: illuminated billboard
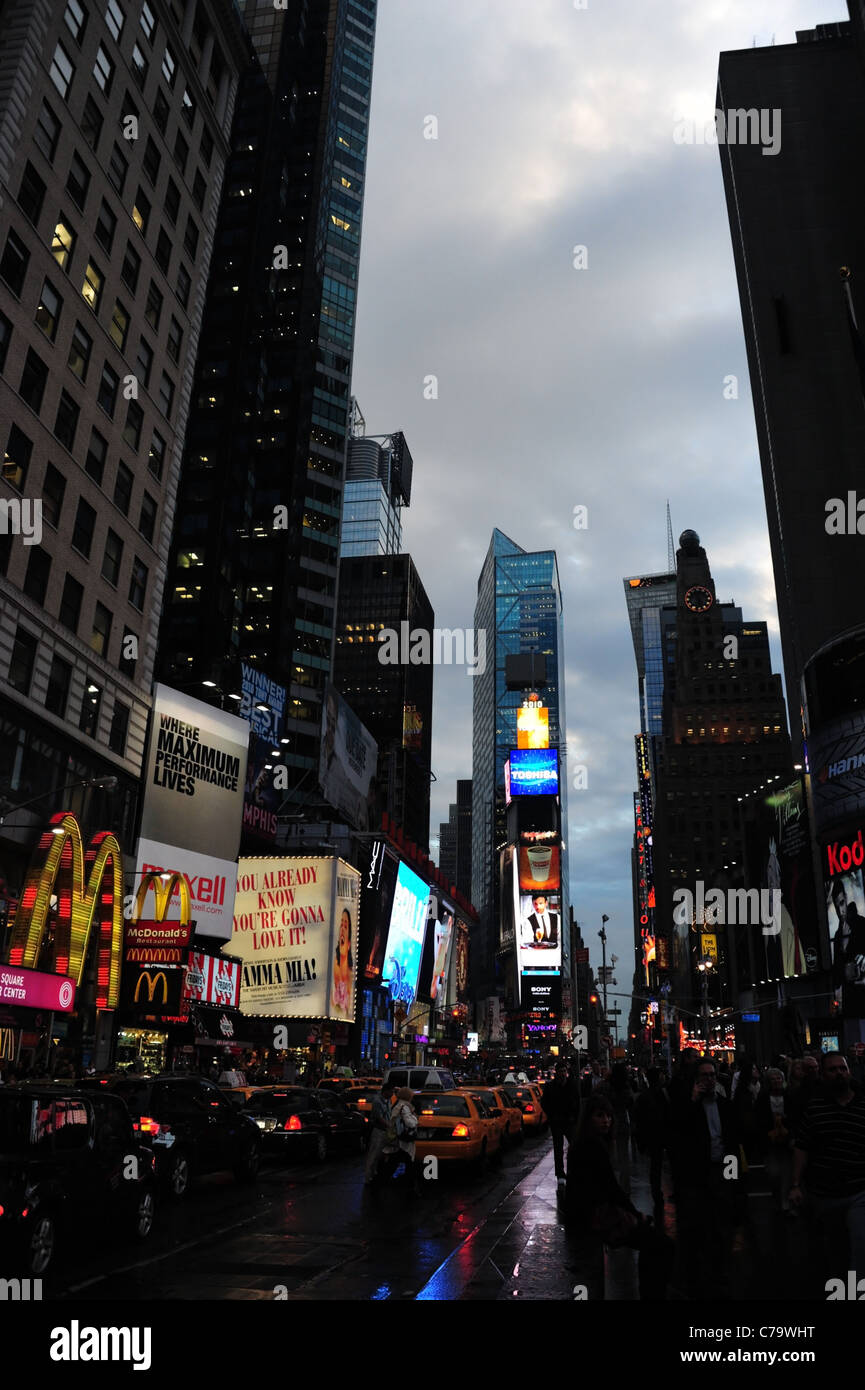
406, 935
295, 931
533, 726
539, 867
347, 762
534, 772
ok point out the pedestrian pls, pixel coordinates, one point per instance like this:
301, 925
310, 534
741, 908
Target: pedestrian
774, 1135
829, 1159
380, 1121
622, 1098
745, 1092
594, 1079
705, 1140
560, 1103
804, 1085
399, 1146
596, 1203
652, 1130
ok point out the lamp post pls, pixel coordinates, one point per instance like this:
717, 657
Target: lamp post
603, 935
704, 966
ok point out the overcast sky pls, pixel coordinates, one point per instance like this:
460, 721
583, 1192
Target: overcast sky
560, 387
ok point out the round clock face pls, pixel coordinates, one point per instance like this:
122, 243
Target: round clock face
698, 598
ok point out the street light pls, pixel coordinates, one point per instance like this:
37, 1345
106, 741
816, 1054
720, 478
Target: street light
705, 965
107, 784
603, 935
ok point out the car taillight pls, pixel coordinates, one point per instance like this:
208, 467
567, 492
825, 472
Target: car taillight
529, 1109
148, 1126
293, 1122
460, 1132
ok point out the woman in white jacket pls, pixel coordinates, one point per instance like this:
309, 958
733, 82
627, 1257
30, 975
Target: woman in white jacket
400, 1146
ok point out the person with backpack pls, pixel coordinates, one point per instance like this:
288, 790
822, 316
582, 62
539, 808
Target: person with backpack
399, 1145
379, 1125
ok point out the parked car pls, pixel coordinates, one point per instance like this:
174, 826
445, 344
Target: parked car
340, 1085
296, 1121
455, 1127
70, 1164
421, 1078
529, 1099
192, 1128
505, 1104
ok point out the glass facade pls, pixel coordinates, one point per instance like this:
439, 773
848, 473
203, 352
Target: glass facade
519, 606
371, 525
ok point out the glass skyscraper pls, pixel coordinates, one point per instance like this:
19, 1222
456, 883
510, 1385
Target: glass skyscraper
377, 487
519, 607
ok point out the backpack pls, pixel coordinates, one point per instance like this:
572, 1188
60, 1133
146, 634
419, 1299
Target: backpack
406, 1124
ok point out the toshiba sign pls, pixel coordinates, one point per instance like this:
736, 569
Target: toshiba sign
841, 857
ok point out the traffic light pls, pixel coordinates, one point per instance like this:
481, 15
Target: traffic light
593, 998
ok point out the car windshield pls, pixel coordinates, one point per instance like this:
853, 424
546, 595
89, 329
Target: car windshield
452, 1106
16, 1122
524, 1093
332, 1085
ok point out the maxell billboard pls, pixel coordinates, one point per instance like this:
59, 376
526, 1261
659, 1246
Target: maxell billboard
193, 803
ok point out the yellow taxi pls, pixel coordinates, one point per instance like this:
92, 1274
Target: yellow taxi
529, 1099
239, 1095
455, 1126
505, 1110
339, 1085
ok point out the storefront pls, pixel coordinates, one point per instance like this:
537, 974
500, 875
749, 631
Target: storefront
142, 1049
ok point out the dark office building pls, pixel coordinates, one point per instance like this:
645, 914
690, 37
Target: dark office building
254, 563
797, 220
394, 701
455, 839
724, 732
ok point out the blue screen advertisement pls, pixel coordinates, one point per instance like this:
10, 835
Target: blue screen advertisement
406, 936
534, 772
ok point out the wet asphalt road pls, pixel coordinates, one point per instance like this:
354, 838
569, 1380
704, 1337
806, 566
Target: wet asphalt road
301, 1231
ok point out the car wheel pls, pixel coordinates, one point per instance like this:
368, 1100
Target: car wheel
320, 1147
145, 1212
246, 1170
178, 1175
41, 1244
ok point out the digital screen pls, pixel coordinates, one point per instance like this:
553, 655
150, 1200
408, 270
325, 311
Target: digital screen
539, 933
534, 772
406, 935
533, 726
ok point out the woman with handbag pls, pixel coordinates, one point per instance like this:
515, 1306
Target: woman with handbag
596, 1204
400, 1142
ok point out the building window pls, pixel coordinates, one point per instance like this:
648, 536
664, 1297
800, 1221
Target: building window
118, 168
103, 70
148, 22
91, 289
59, 680
123, 489
70, 603
115, 18
162, 254
97, 457
109, 384
53, 492
112, 557
76, 20
33, 379
141, 211
63, 244
151, 161
147, 519
140, 66
206, 146
169, 67
181, 152
48, 311
199, 188
134, 424
172, 201
47, 132
190, 240
130, 268
5, 339
78, 181
66, 423
138, 583
13, 266
91, 123
62, 71
119, 329
156, 461
16, 460
82, 532
166, 395
106, 226
183, 285
38, 570
23, 659
187, 109
90, 707
144, 362
119, 728
153, 307
31, 194
174, 341
160, 111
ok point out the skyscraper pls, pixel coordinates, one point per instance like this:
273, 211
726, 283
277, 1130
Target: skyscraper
114, 126
455, 840
255, 554
519, 608
377, 486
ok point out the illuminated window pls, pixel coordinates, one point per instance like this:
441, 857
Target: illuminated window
91, 289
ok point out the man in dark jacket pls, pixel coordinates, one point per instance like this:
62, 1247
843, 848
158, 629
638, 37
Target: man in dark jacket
707, 1170
652, 1112
562, 1108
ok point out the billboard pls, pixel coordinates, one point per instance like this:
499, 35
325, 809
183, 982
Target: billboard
405, 936
261, 797
778, 857
379, 886
461, 967
534, 772
533, 726
212, 980
295, 932
150, 989
347, 762
539, 866
35, 989
542, 994
193, 802
262, 703
442, 942
845, 910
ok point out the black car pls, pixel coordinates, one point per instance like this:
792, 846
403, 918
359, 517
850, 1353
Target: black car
299, 1121
191, 1127
70, 1164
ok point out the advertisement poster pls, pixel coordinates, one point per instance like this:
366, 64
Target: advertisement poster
379, 886
540, 867
461, 946
347, 765
210, 980
193, 802
295, 931
261, 797
442, 938
778, 858
533, 726
534, 772
845, 909
406, 935
540, 939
